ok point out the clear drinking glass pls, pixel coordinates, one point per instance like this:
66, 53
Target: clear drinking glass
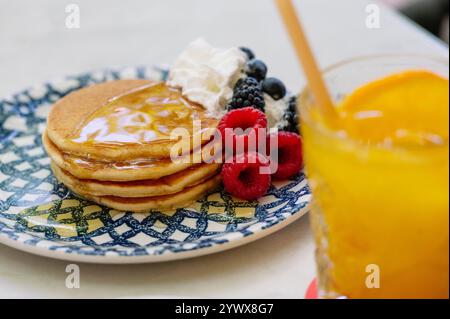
378, 210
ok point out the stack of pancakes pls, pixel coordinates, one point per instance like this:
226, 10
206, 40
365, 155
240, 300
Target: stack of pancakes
111, 143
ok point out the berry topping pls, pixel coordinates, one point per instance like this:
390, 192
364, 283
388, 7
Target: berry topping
247, 92
250, 120
275, 88
243, 178
291, 117
256, 69
249, 53
290, 155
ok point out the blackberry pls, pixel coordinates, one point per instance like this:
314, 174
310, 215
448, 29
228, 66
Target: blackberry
291, 117
247, 92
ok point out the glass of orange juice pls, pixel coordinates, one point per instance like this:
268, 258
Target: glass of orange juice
380, 178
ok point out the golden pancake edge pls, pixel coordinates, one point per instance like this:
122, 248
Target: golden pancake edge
166, 185
165, 202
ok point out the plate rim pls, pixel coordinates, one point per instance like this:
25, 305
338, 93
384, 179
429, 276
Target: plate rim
147, 259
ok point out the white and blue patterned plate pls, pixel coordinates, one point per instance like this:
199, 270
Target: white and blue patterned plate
41, 216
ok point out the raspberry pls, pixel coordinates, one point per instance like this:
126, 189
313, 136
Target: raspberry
290, 154
245, 118
243, 178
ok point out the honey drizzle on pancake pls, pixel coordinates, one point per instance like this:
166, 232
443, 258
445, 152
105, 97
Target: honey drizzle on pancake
145, 115
75, 161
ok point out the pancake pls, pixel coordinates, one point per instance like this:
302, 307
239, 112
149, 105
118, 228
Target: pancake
164, 186
124, 120
166, 202
84, 168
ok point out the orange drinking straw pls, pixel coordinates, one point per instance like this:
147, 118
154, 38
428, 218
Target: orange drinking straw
304, 53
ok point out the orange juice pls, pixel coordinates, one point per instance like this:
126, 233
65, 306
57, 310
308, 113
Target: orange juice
380, 182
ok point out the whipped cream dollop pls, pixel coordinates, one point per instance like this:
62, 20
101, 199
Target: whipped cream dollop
275, 111
207, 75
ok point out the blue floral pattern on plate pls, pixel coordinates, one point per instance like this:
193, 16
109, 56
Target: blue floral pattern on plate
41, 216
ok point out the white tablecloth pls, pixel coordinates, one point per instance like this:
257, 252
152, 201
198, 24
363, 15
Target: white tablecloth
36, 46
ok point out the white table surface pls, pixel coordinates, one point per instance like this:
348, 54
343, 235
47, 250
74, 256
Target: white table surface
36, 46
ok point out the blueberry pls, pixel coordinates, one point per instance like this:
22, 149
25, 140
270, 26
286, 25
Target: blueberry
275, 88
248, 52
256, 69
